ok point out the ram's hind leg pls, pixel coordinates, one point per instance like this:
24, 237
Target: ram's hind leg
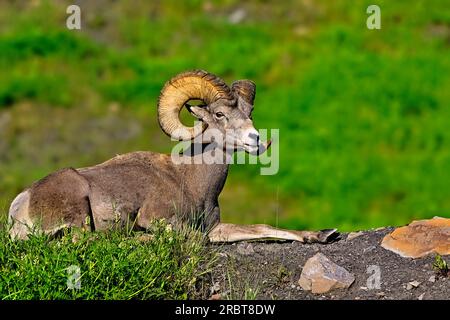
57, 201
227, 232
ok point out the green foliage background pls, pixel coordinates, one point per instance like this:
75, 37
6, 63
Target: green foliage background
363, 114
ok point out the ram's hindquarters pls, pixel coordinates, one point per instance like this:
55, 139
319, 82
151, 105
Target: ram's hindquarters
18, 216
57, 201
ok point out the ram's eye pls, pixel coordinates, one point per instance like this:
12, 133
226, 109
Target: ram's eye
219, 115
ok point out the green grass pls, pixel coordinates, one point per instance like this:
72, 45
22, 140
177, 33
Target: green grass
440, 266
113, 265
363, 114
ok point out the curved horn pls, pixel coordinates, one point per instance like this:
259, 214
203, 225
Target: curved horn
197, 84
246, 89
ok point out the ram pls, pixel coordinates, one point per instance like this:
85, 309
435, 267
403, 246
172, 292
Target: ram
138, 187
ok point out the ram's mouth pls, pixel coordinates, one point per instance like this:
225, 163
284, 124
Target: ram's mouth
257, 150
263, 147
250, 146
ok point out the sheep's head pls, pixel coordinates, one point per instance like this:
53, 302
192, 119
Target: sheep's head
225, 110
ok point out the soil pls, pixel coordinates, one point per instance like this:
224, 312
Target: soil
271, 270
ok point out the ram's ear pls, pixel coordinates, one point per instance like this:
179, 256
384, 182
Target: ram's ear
245, 90
200, 112
246, 107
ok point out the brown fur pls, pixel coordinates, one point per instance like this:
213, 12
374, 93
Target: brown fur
60, 199
132, 189
135, 188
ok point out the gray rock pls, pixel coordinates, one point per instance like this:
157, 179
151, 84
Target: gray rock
353, 235
321, 275
412, 284
245, 249
237, 16
215, 288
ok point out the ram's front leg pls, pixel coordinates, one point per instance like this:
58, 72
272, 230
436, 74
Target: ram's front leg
227, 232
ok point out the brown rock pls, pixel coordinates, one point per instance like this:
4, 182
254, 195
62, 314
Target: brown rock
245, 249
412, 285
353, 235
420, 238
321, 275
216, 296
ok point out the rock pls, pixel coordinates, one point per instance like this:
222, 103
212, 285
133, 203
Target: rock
368, 249
216, 296
353, 235
421, 296
245, 249
415, 284
432, 279
412, 284
321, 275
215, 288
237, 16
420, 238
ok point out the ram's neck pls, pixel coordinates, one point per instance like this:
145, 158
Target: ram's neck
205, 170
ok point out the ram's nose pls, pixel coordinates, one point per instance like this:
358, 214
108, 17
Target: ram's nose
251, 137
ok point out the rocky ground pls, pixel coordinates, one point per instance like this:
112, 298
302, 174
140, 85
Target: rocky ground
271, 270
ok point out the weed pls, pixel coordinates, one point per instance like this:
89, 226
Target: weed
440, 266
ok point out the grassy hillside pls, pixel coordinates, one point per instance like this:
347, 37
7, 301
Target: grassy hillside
363, 114
118, 265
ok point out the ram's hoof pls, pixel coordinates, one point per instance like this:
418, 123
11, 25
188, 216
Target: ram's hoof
324, 236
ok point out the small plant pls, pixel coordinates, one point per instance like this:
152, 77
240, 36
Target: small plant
250, 293
241, 285
283, 274
440, 266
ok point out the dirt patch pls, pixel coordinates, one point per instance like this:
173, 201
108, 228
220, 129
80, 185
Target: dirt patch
272, 270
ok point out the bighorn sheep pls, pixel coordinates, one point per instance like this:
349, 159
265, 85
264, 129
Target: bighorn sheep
141, 186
